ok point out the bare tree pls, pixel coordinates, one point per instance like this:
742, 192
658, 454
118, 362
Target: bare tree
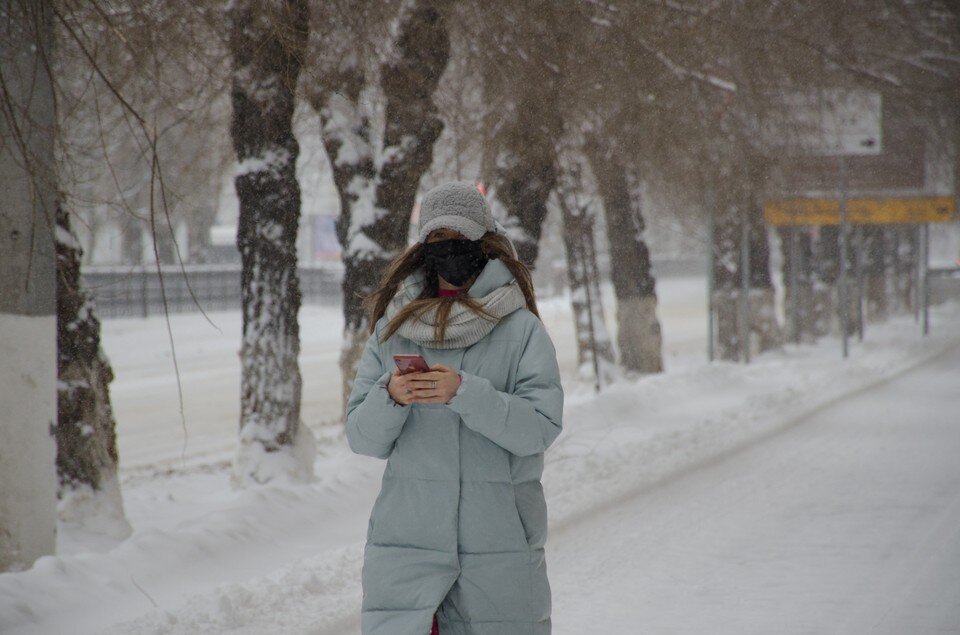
267, 42
169, 63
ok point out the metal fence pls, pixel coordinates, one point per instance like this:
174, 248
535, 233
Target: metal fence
943, 284
136, 291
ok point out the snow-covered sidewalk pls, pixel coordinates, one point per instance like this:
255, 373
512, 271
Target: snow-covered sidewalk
286, 559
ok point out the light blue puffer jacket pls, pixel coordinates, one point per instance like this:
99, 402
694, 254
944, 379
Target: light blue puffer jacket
460, 522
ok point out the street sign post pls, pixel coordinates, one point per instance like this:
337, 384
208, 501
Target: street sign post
829, 122
909, 210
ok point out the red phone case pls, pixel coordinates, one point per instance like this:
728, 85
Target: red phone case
410, 364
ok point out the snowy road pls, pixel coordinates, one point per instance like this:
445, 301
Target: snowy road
847, 522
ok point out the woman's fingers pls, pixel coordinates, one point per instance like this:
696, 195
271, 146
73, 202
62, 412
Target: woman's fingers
434, 386
424, 383
429, 375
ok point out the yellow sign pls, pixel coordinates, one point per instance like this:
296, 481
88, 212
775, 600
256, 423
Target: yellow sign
861, 211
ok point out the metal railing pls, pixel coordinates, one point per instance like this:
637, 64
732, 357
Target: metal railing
943, 284
136, 291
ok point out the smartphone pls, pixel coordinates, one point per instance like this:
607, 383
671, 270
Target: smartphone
411, 364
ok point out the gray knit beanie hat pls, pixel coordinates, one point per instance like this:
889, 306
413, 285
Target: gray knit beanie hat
456, 205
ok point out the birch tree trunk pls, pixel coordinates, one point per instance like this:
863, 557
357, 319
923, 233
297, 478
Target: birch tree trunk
638, 329
594, 347
87, 459
28, 369
378, 186
267, 43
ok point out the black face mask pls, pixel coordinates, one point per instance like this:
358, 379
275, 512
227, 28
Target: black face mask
456, 260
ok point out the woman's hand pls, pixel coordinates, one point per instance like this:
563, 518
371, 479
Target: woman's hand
438, 385
399, 387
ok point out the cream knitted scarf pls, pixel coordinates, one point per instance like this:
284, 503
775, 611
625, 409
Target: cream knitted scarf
464, 327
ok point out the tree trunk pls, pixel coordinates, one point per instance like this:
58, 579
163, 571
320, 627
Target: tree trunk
638, 329
726, 274
267, 44
198, 234
86, 430
764, 327
131, 241
826, 284
378, 188
795, 243
825, 271
594, 348
28, 369
164, 239
737, 205
904, 252
875, 262
526, 166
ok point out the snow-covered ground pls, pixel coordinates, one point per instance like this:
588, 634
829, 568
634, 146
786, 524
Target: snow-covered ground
697, 477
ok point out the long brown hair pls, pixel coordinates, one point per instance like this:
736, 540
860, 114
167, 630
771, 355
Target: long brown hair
494, 245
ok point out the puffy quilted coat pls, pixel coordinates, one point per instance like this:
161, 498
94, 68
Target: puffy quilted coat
460, 521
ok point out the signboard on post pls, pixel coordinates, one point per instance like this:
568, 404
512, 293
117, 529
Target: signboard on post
842, 123
861, 211
827, 122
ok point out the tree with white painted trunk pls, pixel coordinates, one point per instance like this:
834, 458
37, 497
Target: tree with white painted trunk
28, 369
639, 339
737, 203
267, 42
377, 171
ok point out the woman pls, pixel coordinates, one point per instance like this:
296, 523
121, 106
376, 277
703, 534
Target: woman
456, 536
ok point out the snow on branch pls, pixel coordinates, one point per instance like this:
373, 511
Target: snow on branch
681, 71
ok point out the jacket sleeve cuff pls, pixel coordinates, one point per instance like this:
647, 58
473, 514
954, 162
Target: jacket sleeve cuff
381, 407
471, 394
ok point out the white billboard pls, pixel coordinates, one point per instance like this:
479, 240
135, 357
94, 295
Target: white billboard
827, 122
